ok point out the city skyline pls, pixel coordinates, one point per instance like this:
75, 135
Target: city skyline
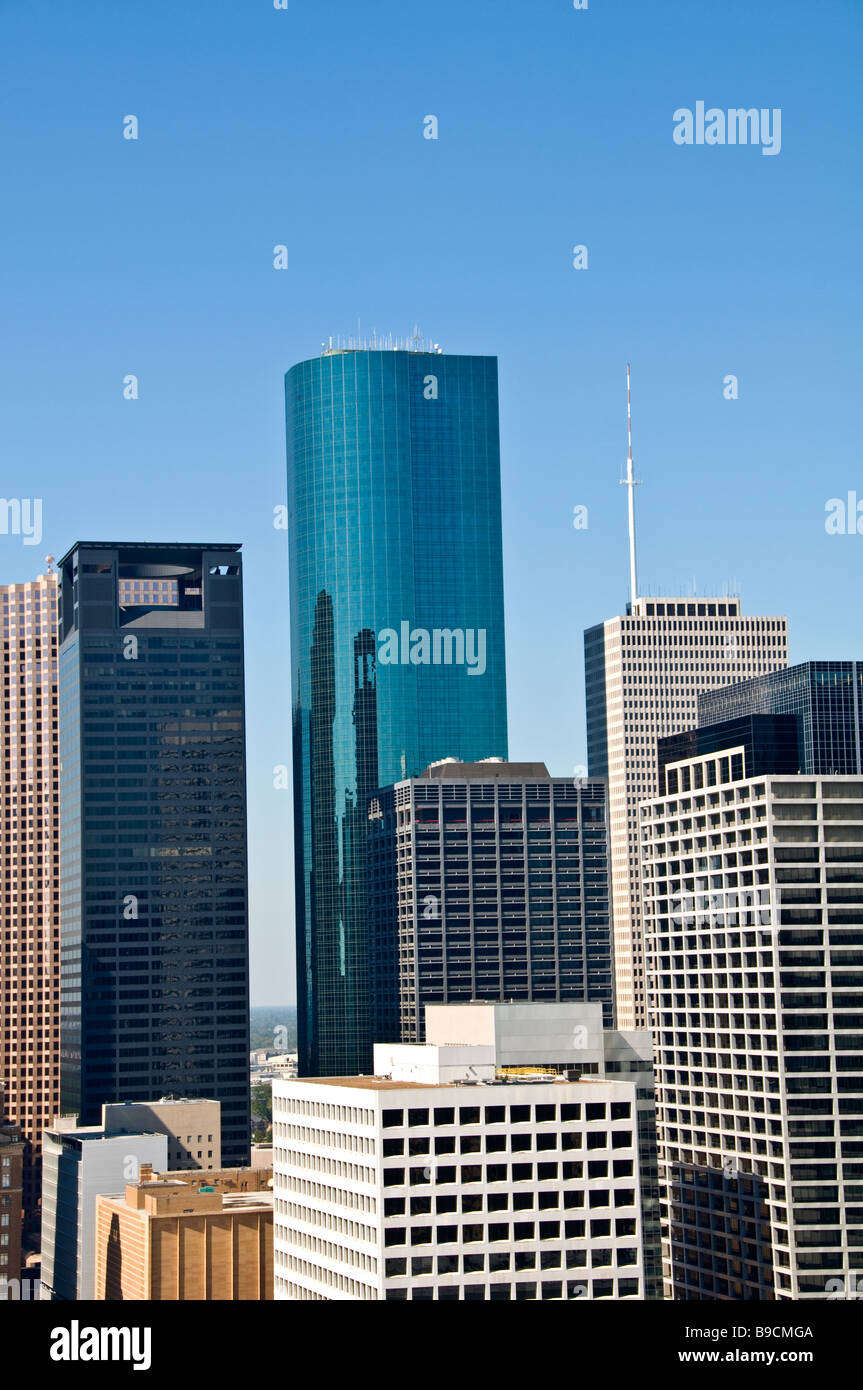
703, 263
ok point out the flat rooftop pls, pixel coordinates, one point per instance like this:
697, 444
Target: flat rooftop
490, 769
514, 1078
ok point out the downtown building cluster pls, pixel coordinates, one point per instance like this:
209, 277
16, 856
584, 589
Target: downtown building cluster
559, 1038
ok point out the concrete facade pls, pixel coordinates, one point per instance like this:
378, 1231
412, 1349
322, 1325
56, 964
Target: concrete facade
643, 673
491, 1186
193, 1128
753, 901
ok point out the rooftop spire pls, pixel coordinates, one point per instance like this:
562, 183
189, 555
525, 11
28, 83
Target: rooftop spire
631, 483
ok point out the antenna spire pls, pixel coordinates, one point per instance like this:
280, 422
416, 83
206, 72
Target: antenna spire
631, 483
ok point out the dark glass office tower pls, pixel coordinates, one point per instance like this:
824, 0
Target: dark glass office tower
745, 747
397, 634
487, 881
153, 892
826, 697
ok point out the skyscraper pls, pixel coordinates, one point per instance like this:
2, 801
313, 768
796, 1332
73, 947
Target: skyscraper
154, 928
826, 697
397, 636
487, 881
643, 673
753, 907
29, 927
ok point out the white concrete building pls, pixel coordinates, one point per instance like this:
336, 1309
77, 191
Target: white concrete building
753, 909
643, 672
79, 1165
444, 1177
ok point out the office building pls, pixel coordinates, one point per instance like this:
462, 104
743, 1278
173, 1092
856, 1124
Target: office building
753, 911
11, 1200
571, 1040
486, 881
448, 1175
154, 929
826, 697
193, 1128
29, 869
397, 632
80, 1164
643, 674
178, 1239
758, 742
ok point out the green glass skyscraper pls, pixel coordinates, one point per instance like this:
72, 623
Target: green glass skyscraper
397, 633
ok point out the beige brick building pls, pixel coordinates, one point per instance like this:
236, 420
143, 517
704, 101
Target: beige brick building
643, 672
182, 1239
29, 916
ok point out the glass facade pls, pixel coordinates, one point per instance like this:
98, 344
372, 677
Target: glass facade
766, 743
397, 634
154, 924
826, 697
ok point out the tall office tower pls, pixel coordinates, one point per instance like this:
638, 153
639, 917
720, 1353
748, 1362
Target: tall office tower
753, 909
643, 673
462, 1179
29, 871
486, 881
825, 696
397, 635
154, 929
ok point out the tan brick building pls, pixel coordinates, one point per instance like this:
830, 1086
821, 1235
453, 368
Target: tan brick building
178, 1238
29, 917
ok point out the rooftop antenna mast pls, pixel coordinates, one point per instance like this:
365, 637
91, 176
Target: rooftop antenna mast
631, 483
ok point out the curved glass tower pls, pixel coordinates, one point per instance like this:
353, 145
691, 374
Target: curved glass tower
397, 635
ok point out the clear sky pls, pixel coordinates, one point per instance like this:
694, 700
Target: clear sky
260, 127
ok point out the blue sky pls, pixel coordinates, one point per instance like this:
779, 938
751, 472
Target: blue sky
304, 127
